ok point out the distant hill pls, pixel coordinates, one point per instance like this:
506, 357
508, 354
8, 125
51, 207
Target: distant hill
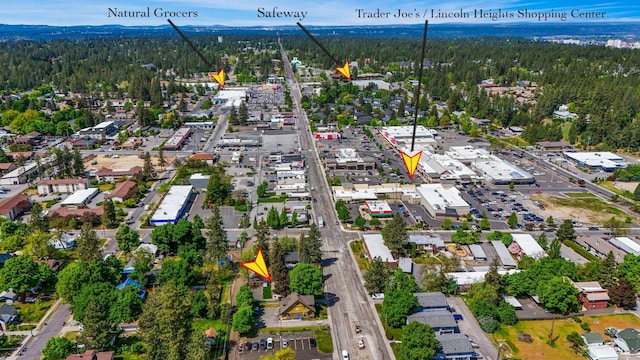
597, 32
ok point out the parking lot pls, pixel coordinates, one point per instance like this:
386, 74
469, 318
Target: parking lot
303, 343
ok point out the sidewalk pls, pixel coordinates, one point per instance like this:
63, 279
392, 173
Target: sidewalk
30, 334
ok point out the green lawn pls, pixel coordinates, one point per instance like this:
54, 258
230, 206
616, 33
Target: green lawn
203, 324
611, 186
358, 252
32, 313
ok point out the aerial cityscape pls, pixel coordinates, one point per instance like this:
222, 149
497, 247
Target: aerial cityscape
268, 185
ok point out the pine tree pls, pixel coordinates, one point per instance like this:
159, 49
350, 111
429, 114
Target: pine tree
608, 271
148, 172
88, 245
395, 234
216, 237
273, 218
566, 231
38, 221
262, 238
78, 165
109, 214
233, 115
377, 277
310, 246
278, 269
284, 219
243, 113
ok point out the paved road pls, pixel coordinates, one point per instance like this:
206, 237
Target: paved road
46, 332
469, 326
348, 302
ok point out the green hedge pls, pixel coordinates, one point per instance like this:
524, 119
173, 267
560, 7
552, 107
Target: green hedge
580, 250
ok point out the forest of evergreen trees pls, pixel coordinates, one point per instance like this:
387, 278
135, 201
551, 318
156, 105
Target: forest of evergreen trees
600, 84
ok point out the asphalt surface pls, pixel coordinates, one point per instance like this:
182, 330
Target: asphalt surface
347, 301
51, 329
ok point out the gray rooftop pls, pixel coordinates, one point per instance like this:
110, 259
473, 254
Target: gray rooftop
452, 344
432, 300
504, 255
437, 319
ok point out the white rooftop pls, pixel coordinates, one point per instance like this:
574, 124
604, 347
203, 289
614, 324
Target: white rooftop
172, 203
440, 197
80, 197
445, 166
473, 277
232, 96
371, 192
529, 245
378, 206
199, 176
601, 158
103, 125
627, 244
348, 155
377, 248
500, 171
467, 153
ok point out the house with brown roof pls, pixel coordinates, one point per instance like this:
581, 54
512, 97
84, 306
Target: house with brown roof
79, 212
15, 206
92, 355
123, 191
63, 186
296, 306
6, 168
592, 296
208, 158
108, 175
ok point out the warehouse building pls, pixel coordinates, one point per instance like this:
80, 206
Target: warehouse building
178, 139
80, 197
174, 205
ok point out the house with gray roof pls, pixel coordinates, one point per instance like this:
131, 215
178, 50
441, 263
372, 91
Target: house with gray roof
441, 321
7, 315
454, 347
628, 340
430, 301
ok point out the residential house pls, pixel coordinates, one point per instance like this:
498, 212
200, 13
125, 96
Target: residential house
108, 175
6, 168
592, 296
593, 339
628, 340
7, 315
210, 336
441, 321
296, 306
208, 158
454, 347
123, 191
291, 259
428, 244
8, 296
130, 282
15, 206
430, 301
602, 352
64, 186
92, 355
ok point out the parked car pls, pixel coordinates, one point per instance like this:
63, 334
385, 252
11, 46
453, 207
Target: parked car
285, 344
361, 344
263, 344
269, 343
345, 355
312, 342
255, 346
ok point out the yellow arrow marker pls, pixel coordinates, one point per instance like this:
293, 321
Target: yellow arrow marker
411, 162
345, 71
218, 77
258, 266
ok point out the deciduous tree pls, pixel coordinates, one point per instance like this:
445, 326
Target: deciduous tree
418, 342
306, 279
127, 238
377, 277
395, 234
58, 348
88, 245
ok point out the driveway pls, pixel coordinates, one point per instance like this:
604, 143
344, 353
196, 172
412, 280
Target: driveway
470, 327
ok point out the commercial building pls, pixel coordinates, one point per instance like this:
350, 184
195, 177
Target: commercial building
178, 139
441, 201
349, 159
445, 169
100, 131
228, 97
596, 161
491, 168
378, 208
62, 186
374, 247
399, 136
362, 192
80, 197
173, 206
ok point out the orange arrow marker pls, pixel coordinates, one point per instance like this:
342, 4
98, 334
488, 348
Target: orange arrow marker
345, 71
218, 77
411, 162
258, 266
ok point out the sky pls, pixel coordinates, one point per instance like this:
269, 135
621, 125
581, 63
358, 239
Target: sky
330, 12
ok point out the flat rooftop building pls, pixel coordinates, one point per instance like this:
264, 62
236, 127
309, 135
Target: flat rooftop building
374, 247
178, 139
173, 205
445, 168
80, 197
529, 245
378, 208
603, 160
442, 201
400, 135
626, 244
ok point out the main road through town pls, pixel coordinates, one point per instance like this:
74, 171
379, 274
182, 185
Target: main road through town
347, 300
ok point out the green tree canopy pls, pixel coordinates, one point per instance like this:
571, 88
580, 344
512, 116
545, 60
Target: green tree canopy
58, 348
395, 234
418, 342
306, 279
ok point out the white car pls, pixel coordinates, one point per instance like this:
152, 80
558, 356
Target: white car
345, 355
285, 344
377, 296
361, 344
